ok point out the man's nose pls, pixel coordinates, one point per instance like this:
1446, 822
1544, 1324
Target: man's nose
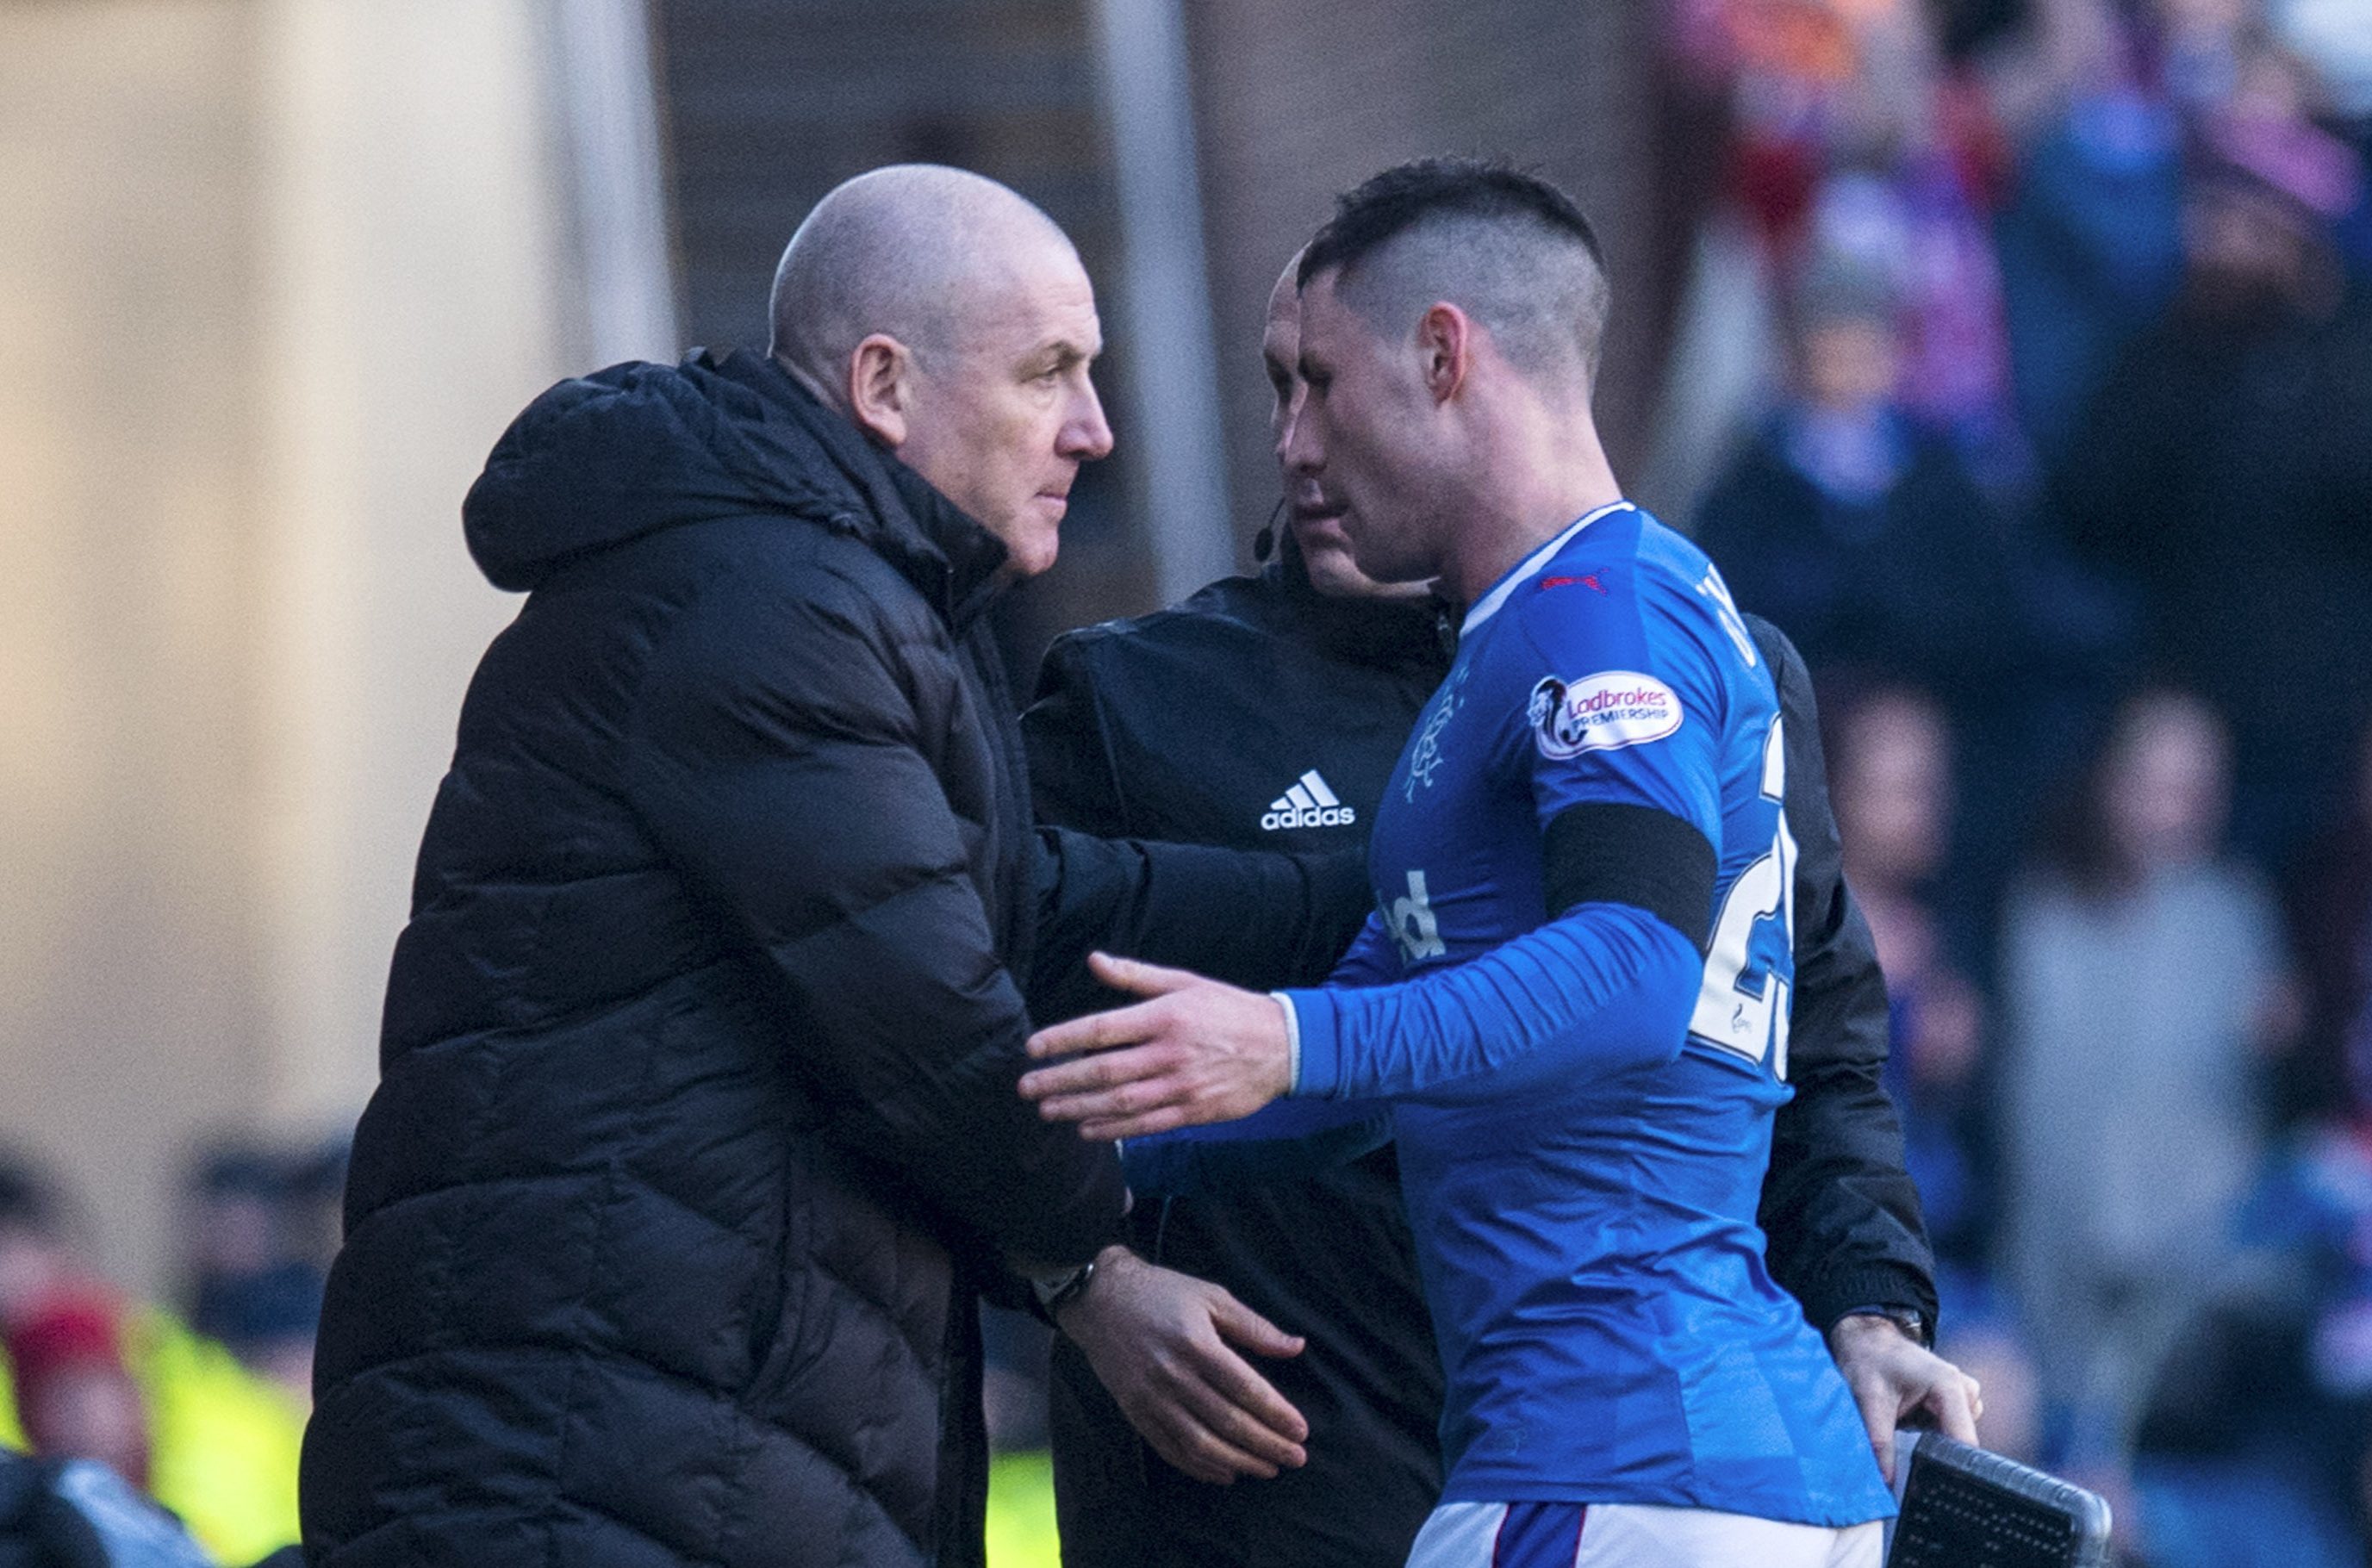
1287, 417
1086, 433
1300, 446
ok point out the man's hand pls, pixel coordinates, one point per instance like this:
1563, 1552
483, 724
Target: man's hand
1160, 1342
1198, 1051
1896, 1380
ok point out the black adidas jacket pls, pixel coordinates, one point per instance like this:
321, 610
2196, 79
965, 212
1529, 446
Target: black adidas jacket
1225, 721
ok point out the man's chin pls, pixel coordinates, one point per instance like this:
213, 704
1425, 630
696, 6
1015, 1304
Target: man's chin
1335, 573
1032, 545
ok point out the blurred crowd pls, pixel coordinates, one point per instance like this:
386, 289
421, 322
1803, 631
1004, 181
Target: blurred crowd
200, 1401
2043, 332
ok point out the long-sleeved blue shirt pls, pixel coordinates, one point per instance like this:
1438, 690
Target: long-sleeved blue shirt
1582, 1098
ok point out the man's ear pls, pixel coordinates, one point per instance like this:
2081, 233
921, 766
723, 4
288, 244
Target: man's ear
881, 388
1445, 344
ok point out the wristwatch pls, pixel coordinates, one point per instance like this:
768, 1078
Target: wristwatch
1057, 1291
1910, 1320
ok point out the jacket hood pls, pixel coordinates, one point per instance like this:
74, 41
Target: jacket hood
601, 459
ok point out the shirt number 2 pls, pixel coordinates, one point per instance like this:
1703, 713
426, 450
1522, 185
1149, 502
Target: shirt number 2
1736, 1010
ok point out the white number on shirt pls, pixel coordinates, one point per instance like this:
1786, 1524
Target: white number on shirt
1732, 1011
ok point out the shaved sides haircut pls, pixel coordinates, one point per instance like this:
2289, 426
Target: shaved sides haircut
908, 250
1507, 248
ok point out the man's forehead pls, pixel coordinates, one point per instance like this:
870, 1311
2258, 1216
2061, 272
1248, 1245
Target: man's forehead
1281, 334
1285, 299
1038, 312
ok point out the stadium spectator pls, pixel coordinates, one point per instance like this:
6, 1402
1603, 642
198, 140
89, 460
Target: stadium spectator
2225, 470
35, 1262
253, 1287
1893, 793
1861, 532
1855, 529
2090, 242
75, 1394
220, 1443
1852, 140
1312, 670
2330, 930
2145, 992
2250, 1448
696, 1136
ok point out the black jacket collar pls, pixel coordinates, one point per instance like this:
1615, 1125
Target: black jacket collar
952, 560
1397, 634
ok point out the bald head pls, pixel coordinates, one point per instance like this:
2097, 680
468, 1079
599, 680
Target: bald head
913, 251
951, 323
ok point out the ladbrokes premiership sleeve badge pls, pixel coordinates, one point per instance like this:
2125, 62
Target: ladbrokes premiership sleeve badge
1600, 713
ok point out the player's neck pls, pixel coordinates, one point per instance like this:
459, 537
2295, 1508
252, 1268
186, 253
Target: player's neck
1536, 498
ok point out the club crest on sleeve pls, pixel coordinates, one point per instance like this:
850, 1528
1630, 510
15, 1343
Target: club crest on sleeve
1600, 713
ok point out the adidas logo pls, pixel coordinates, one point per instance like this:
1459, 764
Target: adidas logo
1309, 803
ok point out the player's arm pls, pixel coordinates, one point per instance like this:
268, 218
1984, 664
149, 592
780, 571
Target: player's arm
1607, 985
1282, 1141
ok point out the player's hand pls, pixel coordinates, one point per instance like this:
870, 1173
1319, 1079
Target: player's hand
1898, 1381
1197, 1051
1160, 1341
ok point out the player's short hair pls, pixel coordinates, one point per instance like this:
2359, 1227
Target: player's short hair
1506, 247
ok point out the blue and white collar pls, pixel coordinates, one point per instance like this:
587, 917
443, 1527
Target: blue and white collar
1488, 605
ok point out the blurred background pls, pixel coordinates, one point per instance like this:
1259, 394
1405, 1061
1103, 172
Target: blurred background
2013, 355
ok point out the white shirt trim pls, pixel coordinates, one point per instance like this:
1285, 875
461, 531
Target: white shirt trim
1488, 605
1292, 1040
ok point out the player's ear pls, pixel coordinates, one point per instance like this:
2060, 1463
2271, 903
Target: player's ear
1445, 343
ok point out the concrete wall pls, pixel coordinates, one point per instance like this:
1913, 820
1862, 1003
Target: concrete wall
1296, 102
275, 273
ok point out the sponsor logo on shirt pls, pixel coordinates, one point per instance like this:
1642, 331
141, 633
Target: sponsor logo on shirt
1600, 713
1309, 803
1413, 925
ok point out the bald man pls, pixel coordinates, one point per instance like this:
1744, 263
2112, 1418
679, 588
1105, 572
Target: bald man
697, 1135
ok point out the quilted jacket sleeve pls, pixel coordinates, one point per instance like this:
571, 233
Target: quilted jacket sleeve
782, 763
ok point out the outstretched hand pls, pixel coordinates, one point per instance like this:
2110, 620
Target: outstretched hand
1196, 1051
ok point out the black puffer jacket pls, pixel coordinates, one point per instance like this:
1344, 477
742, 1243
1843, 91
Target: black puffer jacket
696, 1129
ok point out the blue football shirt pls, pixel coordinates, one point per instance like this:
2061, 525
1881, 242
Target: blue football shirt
1583, 1103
